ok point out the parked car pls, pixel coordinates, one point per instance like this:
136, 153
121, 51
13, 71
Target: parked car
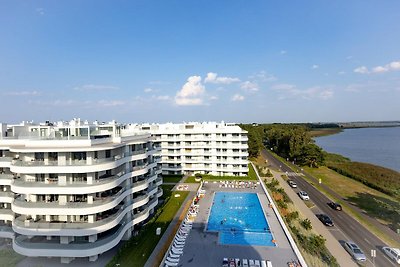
325, 219
354, 251
303, 195
292, 184
393, 253
335, 206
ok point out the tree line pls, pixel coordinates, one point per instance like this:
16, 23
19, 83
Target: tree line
291, 141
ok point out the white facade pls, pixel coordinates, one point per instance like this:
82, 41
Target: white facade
208, 148
75, 189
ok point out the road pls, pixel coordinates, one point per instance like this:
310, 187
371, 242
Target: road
346, 228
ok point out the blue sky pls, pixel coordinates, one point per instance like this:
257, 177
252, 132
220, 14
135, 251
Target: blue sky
239, 61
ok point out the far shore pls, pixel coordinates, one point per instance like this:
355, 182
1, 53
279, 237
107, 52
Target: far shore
324, 131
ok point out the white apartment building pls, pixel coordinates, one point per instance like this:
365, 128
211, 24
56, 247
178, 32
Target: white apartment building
207, 148
75, 189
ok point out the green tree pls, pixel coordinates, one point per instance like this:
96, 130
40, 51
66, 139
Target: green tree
312, 156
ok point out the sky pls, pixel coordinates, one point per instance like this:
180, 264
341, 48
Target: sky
175, 61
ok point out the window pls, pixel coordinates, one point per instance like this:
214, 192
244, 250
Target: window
39, 156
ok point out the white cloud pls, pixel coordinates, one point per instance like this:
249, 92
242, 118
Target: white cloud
379, 69
291, 91
395, 65
212, 77
283, 52
40, 11
213, 97
362, 70
163, 97
237, 97
96, 87
314, 67
23, 93
263, 76
283, 86
392, 66
341, 72
110, 103
148, 90
192, 92
249, 86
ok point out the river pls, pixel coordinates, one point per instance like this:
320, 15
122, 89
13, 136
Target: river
379, 146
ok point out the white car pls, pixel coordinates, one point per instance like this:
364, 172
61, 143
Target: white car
303, 195
354, 251
292, 183
393, 253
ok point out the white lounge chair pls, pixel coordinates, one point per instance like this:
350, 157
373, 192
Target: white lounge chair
168, 263
180, 239
179, 244
257, 263
176, 251
269, 264
251, 263
237, 262
245, 263
263, 263
172, 255
172, 259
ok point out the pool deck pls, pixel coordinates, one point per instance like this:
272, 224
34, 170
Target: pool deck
203, 249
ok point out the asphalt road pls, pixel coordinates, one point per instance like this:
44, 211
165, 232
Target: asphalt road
346, 228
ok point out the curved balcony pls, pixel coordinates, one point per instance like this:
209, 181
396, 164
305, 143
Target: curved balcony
30, 228
22, 187
6, 232
5, 162
6, 214
22, 245
6, 179
76, 166
6, 197
21, 206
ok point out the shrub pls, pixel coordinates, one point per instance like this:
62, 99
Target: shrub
281, 204
269, 173
306, 223
292, 216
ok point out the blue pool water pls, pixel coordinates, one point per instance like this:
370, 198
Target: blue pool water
239, 219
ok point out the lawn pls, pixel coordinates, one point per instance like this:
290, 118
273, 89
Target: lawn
136, 251
9, 258
206, 177
373, 202
172, 178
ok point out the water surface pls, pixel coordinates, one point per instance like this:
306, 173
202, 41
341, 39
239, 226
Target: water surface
379, 146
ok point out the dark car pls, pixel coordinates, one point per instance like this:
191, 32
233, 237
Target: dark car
335, 206
325, 219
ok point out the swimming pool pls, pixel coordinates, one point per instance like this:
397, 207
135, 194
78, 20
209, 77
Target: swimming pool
239, 219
